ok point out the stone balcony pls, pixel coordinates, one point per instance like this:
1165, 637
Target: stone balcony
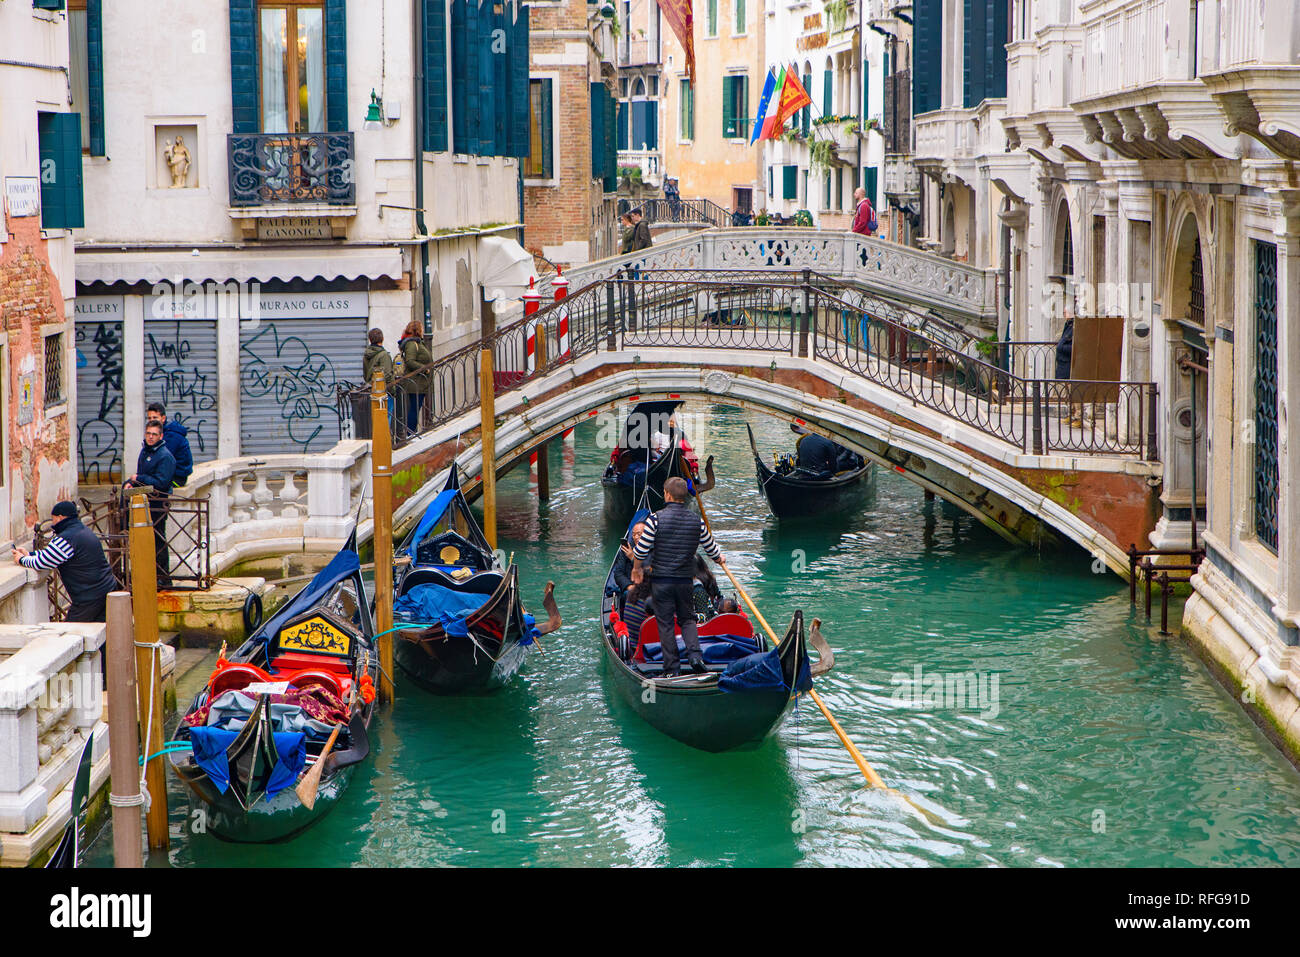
950, 142
1043, 76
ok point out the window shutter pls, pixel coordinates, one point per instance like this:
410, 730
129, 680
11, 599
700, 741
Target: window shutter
597, 132
243, 66
713, 18
435, 76
610, 141
60, 165
790, 182
869, 183
48, 4
492, 81
866, 93
95, 74
927, 63
828, 93
623, 120
519, 82
548, 132
728, 113
742, 128
995, 56
652, 124
740, 16
336, 66
465, 70
807, 110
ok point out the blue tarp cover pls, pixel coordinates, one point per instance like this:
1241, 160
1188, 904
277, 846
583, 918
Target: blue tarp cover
450, 608
633, 475
431, 516
762, 671
715, 648
341, 566
210, 746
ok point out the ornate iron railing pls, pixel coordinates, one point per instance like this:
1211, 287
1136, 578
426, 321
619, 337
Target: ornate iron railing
274, 168
688, 212
809, 315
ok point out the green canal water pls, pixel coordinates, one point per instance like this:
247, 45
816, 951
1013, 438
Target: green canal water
1098, 744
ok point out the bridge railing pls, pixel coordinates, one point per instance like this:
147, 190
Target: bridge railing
808, 315
687, 212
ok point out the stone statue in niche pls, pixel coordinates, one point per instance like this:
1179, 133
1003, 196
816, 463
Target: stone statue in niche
178, 161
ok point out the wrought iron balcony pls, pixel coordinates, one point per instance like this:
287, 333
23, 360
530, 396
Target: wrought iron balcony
292, 168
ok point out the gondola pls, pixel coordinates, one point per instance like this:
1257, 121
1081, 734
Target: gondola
460, 623
743, 695
793, 493
634, 468
269, 711
68, 853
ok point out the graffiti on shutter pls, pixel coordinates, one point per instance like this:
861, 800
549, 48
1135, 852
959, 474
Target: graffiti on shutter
180, 371
99, 402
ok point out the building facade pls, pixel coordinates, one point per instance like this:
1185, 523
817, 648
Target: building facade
640, 91
571, 169
706, 147
40, 171
283, 178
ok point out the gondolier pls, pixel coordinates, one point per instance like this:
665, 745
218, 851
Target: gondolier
79, 557
670, 540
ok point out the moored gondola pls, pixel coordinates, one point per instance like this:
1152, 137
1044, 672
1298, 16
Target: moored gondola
68, 852
792, 492
742, 696
637, 467
299, 691
459, 620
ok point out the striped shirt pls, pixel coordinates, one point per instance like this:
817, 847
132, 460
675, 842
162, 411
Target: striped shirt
646, 543
51, 556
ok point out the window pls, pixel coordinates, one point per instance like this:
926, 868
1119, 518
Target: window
54, 391
1266, 392
711, 26
686, 112
48, 4
827, 204
538, 164
771, 192
806, 122
292, 73
740, 17
870, 175
790, 182
828, 91
59, 136
735, 106
645, 125
654, 85
839, 189
623, 121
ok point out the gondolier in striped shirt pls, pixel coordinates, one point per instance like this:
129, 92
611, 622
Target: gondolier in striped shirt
670, 540
76, 552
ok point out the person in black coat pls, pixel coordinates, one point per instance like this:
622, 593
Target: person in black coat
79, 557
175, 438
816, 454
154, 471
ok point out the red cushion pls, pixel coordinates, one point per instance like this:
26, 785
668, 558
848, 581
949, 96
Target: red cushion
729, 624
298, 660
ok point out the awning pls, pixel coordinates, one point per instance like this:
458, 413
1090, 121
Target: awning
504, 268
238, 265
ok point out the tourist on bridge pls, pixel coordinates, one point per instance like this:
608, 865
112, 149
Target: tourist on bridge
629, 232
416, 360
175, 436
640, 231
154, 470
377, 357
670, 540
79, 557
864, 220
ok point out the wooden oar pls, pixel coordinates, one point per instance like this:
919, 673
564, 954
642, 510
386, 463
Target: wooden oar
868, 772
309, 786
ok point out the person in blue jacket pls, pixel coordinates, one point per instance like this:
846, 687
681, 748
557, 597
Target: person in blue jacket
174, 435
155, 470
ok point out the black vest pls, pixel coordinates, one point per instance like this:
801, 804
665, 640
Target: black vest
677, 537
86, 574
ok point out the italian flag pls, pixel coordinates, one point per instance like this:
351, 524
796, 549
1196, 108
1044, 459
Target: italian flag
766, 124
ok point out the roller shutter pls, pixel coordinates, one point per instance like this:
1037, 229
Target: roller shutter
99, 402
288, 373
180, 371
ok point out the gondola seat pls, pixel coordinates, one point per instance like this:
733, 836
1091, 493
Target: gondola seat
727, 624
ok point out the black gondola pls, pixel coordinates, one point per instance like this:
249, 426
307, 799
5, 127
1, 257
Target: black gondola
459, 619
68, 853
793, 493
266, 713
634, 470
744, 694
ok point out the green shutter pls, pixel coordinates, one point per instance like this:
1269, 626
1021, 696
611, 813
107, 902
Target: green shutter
790, 182
740, 16
807, 110
435, 76
686, 110
866, 91
465, 87
995, 54
597, 132
611, 142
713, 18
728, 113
828, 93
336, 66
623, 121
869, 183
48, 4
60, 165
927, 56
519, 82
95, 74
243, 66
743, 127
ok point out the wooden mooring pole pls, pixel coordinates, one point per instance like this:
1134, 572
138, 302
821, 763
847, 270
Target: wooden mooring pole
148, 665
488, 431
381, 463
123, 735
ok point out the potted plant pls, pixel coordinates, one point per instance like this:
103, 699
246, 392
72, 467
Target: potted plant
803, 218
762, 219
821, 154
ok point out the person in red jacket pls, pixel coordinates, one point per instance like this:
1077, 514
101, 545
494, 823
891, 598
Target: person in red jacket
864, 220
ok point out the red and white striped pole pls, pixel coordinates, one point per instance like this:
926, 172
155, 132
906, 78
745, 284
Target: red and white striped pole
532, 302
561, 287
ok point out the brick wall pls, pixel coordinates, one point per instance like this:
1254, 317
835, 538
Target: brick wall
31, 306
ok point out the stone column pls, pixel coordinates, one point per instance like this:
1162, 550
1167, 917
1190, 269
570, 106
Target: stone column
1287, 231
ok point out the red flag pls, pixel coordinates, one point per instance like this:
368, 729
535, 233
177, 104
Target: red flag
793, 97
677, 13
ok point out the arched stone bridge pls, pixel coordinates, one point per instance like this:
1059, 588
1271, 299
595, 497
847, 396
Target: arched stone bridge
1036, 460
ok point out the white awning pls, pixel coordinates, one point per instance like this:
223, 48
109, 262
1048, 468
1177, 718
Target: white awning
505, 268
238, 265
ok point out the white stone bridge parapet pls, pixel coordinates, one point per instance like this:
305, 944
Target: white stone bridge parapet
960, 292
50, 702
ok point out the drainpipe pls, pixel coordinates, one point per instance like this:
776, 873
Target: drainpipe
417, 35
859, 55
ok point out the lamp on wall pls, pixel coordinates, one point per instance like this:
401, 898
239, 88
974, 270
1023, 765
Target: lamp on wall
374, 113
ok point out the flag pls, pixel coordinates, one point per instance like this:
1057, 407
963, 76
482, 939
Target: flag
771, 125
793, 97
682, 23
768, 88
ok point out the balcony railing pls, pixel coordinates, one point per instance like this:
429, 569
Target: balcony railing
638, 52
292, 168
